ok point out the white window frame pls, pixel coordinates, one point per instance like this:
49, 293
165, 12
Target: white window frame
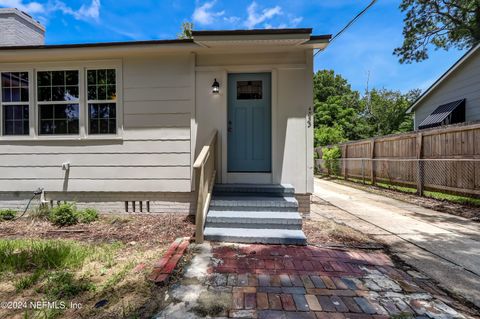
40, 103
81, 66
116, 102
31, 116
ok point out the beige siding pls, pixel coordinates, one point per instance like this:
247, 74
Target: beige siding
462, 83
154, 154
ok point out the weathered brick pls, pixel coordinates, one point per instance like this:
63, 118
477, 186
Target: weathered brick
287, 302
263, 280
339, 304
313, 303
317, 282
365, 305
300, 302
326, 303
274, 301
262, 300
328, 282
271, 314
237, 300
243, 314
351, 304
296, 281
285, 280
250, 301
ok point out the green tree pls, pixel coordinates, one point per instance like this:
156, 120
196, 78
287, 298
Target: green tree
386, 111
337, 110
186, 32
441, 23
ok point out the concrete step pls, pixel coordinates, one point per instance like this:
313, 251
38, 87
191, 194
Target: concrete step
255, 189
254, 219
254, 203
263, 236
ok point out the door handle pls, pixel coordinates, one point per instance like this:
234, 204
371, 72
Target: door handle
229, 129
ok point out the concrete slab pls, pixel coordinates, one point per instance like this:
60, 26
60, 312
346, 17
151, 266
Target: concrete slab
443, 246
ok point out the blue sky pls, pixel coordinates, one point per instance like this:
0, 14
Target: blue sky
366, 48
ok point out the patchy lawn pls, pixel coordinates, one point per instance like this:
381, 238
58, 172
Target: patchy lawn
104, 263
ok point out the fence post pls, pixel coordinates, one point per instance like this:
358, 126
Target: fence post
372, 162
345, 161
420, 164
363, 171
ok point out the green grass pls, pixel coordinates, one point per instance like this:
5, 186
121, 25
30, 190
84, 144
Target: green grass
63, 285
19, 255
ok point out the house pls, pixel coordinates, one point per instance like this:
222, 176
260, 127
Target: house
454, 97
118, 126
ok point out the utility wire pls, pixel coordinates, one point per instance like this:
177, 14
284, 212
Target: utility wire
349, 24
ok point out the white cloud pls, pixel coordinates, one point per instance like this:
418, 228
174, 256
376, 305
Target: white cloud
90, 12
254, 18
31, 7
203, 15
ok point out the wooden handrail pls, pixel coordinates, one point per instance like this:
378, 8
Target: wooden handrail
205, 167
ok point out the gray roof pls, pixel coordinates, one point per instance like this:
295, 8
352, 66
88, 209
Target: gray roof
440, 114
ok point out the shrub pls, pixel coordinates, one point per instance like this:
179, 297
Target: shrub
87, 215
7, 214
331, 159
41, 212
63, 215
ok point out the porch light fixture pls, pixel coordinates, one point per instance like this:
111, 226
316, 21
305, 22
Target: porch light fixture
215, 87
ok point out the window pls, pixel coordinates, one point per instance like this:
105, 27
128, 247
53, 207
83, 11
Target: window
101, 100
15, 103
249, 90
58, 102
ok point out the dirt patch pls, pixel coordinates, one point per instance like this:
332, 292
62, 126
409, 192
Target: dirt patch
328, 233
149, 230
444, 206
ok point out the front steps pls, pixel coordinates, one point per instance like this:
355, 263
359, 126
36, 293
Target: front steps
254, 214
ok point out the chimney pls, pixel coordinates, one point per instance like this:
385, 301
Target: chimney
19, 29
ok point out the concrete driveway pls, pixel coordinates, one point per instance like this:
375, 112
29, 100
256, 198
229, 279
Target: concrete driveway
442, 246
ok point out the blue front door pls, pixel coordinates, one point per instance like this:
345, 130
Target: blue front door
249, 122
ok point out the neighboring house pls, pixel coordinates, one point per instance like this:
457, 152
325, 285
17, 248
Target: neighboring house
118, 125
454, 97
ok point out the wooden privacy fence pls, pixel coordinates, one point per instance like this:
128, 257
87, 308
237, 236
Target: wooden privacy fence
442, 159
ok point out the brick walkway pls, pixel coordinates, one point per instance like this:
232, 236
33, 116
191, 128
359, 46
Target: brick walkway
311, 282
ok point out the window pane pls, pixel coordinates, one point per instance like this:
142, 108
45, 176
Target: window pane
91, 77
44, 78
249, 90
71, 78
6, 79
58, 86
58, 93
111, 92
58, 78
102, 77
59, 119
7, 94
15, 120
15, 87
101, 85
102, 92
44, 94
111, 76
102, 118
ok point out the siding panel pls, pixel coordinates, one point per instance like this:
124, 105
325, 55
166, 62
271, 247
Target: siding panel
106, 185
94, 173
154, 155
